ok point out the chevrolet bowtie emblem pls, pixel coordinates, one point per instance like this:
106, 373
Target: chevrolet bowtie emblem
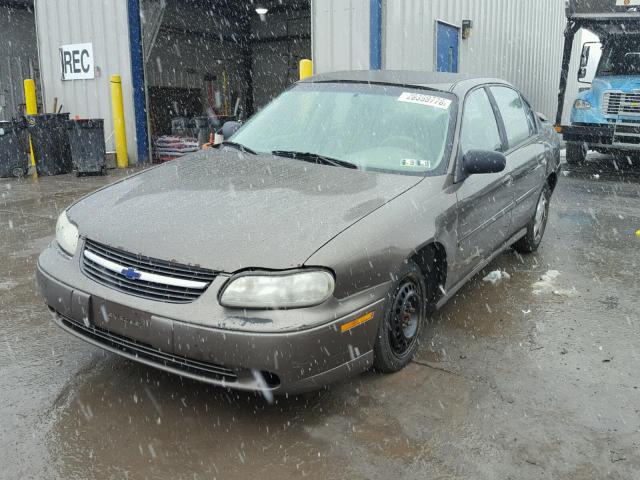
131, 274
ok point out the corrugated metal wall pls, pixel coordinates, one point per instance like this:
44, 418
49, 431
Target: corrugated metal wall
18, 40
340, 34
519, 41
105, 24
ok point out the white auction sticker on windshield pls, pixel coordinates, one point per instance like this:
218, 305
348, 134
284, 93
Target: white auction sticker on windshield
429, 100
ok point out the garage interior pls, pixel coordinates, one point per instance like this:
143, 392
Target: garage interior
208, 61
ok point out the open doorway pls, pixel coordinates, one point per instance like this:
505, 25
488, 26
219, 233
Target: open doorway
208, 61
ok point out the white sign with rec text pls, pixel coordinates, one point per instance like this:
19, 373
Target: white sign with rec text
76, 62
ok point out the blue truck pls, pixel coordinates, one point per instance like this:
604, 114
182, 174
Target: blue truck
605, 117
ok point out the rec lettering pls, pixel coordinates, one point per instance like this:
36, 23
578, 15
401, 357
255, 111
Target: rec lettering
76, 61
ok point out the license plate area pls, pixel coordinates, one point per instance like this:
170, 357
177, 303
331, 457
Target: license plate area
133, 324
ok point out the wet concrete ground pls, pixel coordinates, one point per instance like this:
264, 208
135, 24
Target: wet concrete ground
519, 380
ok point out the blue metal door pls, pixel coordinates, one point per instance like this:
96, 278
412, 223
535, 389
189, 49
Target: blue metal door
447, 48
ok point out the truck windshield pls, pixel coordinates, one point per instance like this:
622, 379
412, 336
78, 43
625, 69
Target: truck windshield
621, 57
372, 127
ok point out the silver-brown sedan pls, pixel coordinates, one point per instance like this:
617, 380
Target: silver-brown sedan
312, 244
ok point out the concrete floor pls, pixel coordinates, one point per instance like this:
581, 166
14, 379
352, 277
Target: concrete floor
517, 381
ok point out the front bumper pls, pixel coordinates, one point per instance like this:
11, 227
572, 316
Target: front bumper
612, 136
203, 342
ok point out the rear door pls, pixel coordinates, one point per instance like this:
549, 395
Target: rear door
484, 201
526, 153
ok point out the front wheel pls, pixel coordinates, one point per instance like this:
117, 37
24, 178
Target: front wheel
400, 329
537, 226
576, 153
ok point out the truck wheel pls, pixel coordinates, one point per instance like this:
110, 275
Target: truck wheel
576, 153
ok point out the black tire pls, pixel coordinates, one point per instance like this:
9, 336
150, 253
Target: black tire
400, 329
576, 153
537, 225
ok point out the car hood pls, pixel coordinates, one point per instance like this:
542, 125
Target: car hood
226, 210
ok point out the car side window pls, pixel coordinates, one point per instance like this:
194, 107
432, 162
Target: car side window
513, 109
479, 126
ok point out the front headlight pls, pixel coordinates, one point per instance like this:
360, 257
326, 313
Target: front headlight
66, 234
278, 290
581, 105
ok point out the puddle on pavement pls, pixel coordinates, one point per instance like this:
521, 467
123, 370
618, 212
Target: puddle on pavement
373, 423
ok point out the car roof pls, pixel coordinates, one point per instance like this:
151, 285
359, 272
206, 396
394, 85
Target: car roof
447, 82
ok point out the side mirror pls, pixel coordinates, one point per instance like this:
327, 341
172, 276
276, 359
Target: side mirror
543, 118
589, 50
483, 161
229, 128
584, 57
582, 73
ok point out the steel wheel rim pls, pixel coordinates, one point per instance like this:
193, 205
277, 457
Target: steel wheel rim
405, 318
540, 218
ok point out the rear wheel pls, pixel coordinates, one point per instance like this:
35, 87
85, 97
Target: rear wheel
576, 153
537, 226
400, 329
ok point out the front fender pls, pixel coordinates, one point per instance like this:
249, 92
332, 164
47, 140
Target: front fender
372, 251
591, 115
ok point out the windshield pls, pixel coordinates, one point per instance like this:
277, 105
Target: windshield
621, 57
374, 127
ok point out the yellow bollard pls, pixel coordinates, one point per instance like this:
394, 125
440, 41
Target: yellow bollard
306, 68
30, 97
117, 107
31, 101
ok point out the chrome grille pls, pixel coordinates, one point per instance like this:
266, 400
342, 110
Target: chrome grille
620, 103
147, 277
143, 351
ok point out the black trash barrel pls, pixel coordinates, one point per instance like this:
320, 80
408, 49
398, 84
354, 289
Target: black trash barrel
13, 157
88, 151
50, 143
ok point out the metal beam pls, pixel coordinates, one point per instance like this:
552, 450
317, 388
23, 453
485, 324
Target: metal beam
137, 74
375, 34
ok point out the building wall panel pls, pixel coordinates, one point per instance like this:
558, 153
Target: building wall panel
340, 35
518, 41
105, 24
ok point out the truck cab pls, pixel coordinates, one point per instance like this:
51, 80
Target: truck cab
605, 117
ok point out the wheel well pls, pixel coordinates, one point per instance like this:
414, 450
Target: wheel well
552, 180
432, 260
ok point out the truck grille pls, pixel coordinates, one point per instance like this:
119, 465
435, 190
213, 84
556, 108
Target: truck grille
619, 103
143, 276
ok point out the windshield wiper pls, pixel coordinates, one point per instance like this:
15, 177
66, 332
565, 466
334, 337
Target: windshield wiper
314, 158
238, 146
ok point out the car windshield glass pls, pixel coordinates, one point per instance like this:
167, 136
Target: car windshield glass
621, 57
373, 127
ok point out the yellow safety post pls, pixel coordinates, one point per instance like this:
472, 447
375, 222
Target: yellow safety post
306, 68
31, 101
117, 107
